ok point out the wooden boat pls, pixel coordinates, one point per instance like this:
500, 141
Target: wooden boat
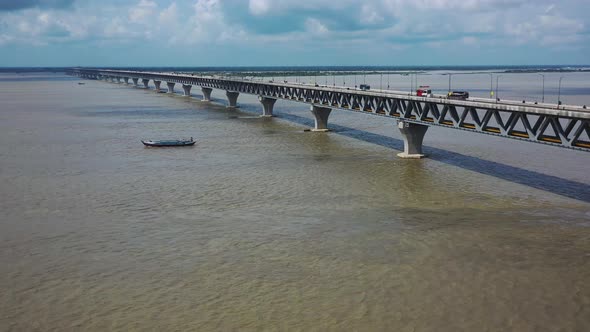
164, 143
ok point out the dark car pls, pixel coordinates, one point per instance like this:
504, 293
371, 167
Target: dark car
461, 95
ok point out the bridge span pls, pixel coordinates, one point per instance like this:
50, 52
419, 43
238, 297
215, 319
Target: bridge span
563, 126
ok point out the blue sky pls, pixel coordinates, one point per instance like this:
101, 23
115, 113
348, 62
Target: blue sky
293, 32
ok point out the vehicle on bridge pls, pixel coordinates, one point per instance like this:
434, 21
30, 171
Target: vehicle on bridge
365, 87
424, 91
460, 95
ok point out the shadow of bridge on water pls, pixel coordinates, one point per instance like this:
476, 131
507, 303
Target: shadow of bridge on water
533, 179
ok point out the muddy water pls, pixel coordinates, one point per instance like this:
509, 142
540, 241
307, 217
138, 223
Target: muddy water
262, 226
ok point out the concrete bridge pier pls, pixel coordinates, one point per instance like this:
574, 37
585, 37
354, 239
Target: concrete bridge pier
321, 118
118, 79
187, 90
413, 135
232, 98
146, 82
135, 81
267, 105
126, 80
157, 84
170, 86
206, 93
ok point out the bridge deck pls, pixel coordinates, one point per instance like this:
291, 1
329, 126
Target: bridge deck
565, 126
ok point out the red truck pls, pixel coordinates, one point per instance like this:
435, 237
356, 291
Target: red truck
424, 91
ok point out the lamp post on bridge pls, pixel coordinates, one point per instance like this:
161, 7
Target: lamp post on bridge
497, 77
388, 74
543, 89
450, 75
491, 85
411, 82
381, 84
559, 93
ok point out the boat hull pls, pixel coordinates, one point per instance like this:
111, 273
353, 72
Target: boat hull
161, 144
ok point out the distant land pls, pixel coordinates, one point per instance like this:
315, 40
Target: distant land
341, 70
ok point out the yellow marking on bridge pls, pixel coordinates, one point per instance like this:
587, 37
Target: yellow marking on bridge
582, 144
519, 134
550, 139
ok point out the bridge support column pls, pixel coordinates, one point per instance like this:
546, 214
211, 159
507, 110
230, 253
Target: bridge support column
126, 80
170, 87
135, 79
321, 117
187, 89
157, 84
146, 82
232, 98
206, 93
413, 135
118, 79
267, 105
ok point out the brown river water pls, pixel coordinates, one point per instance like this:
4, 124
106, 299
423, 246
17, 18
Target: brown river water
262, 226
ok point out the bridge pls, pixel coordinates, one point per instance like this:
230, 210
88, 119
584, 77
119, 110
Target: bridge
565, 126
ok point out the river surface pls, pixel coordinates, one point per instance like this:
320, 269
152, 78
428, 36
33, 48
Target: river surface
262, 226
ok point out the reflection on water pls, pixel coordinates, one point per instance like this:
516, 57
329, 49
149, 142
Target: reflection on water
264, 226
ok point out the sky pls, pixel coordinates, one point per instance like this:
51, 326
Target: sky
293, 32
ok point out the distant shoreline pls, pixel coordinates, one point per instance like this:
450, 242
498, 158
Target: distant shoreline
325, 70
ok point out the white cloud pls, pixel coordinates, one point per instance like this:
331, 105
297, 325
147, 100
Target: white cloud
469, 40
142, 11
314, 26
370, 15
429, 23
169, 16
259, 7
